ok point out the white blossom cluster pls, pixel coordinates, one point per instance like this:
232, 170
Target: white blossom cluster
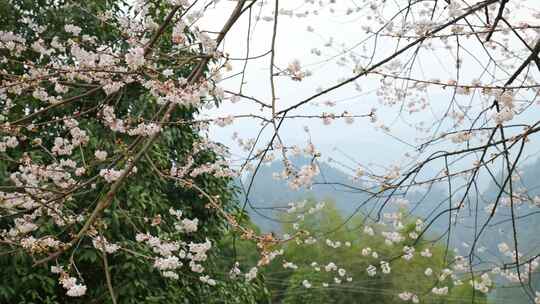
171, 253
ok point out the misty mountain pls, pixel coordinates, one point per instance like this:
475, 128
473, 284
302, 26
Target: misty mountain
268, 196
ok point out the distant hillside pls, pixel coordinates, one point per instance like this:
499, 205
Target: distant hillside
269, 195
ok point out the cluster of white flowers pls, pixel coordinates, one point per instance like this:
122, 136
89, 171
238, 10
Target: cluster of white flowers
34, 245
188, 226
251, 274
70, 283
235, 271
110, 119
408, 296
392, 237
441, 291
515, 277
296, 206
111, 175
73, 29
84, 58
506, 107
172, 252
206, 279
333, 244
158, 246
8, 142
327, 118
295, 70
224, 121
461, 137
330, 267
167, 263
101, 244
100, 155
289, 265
197, 251
371, 270
369, 231
145, 129
219, 168
505, 114
445, 273
23, 225
135, 58
408, 253
366, 251
304, 177
385, 267
483, 284
62, 146
426, 253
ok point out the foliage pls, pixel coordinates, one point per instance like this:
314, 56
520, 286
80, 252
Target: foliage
406, 275
146, 198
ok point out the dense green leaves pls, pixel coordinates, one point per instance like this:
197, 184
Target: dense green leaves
144, 195
406, 275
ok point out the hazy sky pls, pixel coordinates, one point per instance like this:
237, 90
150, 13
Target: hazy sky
364, 142
334, 32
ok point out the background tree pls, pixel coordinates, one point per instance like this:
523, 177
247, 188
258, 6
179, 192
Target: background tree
54, 89
326, 266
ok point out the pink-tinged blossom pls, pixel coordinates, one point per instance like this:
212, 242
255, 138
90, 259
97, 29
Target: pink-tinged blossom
100, 155
111, 175
101, 243
408, 296
73, 288
73, 29
145, 129
135, 57
168, 263
187, 225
